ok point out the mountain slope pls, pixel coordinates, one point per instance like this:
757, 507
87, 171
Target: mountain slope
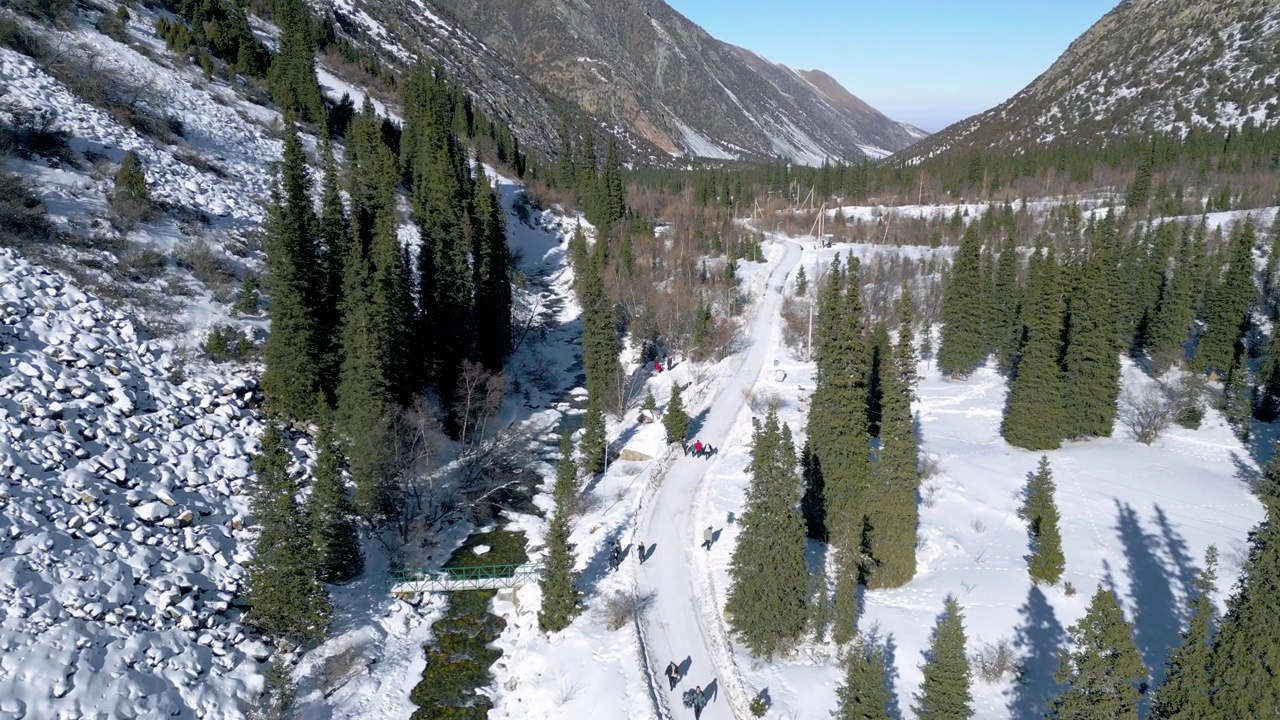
642, 69
1146, 66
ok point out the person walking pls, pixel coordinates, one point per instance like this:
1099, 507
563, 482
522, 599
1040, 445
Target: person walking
699, 702
640, 553
673, 674
708, 537
697, 448
615, 555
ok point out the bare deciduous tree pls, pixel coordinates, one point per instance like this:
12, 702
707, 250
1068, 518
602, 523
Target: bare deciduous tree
480, 395
1147, 413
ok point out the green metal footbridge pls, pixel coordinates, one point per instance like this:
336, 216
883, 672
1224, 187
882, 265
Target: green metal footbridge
411, 581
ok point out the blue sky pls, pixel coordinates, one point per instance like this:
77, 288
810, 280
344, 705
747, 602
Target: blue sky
926, 62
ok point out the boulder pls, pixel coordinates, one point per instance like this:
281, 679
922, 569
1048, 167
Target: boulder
634, 455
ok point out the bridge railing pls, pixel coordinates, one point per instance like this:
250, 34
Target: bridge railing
414, 580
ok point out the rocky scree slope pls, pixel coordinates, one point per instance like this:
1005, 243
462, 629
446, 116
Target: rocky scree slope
121, 499
1147, 66
641, 68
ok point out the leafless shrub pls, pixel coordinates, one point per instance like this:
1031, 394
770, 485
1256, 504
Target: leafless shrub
978, 526
22, 215
569, 688
1068, 589
929, 493
762, 401
621, 607
1146, 414
205, 264
199, 162
795, 322
993, 662
929, 466
967, 586
139, 264
127, 100
479, 397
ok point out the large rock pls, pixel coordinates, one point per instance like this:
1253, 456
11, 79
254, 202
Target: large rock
635, 455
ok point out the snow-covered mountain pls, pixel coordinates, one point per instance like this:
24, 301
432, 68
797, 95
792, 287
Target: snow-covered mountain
1146, 66
638, 67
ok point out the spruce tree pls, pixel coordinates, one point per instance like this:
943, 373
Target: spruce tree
945, 693
390, 307
599, 335
1267, 403
864, 694
130, 197
285, 599
492, 278
1103, 671
1174, 312
963, 346
813, 501
1237, 396
330, 515
292, 77
594, 439
891, 496
1008, 299
559, 595
1033, 415
291, 353
1040, 511
335, 249
1185, 692
675, 421
769, 576
1243, 672
802, 282
1092, 366
1227, 307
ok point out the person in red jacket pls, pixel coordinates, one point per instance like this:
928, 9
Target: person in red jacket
697, 448
657, 366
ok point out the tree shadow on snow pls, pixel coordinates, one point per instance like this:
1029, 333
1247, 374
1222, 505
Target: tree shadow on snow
598, 565
1036, 641
888, 649
1262, 442
1246, 472
1184, 567
696, 422
1155, 616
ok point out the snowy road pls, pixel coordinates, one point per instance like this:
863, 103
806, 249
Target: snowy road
681, 624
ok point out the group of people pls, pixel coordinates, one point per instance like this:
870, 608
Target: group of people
695, 698
615, 554
699, 449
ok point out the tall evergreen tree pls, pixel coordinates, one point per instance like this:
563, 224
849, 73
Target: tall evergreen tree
1245, 667
896, 477
335, 248
838, 431
1184, 695
1092, 373
291, 353
813, 501
864, 695
599, 335
594, 440
1033, 415
330, 515
945, 692
1103, 671
675, 421
1040, 511
963, 346
1008, 299
1237, 396
1174, 312
769, 575
559, 595
1227, 307
492, 278
285, 598
292, 78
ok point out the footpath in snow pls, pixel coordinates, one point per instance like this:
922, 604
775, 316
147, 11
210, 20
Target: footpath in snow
677, 627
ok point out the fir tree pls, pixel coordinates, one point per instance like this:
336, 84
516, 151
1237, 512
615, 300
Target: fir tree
285, 598
1092, 366
246, 302
1008, 299
1237, 396
594, 440
292, 78
1267, 405
599, 335
293, 369
1103, 672
565, 490
802, 282
130, 197
1033, 414
769, 576
813, 502
963, 348
1040, 511
1174, 312
1185, 693
335, 250
675, 421
944, 693
559, 595
1227, 308
492, 278
864, 694
1246, 651
330, 515
896, 478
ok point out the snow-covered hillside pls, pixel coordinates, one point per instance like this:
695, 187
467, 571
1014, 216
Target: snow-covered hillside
120, 509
